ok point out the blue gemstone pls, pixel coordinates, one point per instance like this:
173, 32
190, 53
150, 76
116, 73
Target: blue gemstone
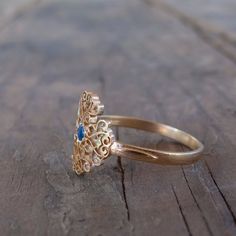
80, 132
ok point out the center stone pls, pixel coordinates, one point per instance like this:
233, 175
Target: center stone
80, 132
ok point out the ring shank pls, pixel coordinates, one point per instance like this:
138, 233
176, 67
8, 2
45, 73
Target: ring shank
152, 155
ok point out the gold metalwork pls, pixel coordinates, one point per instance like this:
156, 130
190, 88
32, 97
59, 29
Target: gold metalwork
98, 137
99, 141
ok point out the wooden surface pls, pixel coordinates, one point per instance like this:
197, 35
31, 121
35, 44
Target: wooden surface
172, 61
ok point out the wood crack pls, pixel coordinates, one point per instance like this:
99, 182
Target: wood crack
122, 171
221, 194
181, 211
197, 204
121, 168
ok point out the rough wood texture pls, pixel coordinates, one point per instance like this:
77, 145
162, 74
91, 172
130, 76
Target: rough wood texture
157, 60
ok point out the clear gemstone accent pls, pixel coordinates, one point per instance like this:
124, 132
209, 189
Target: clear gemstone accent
86, 166
96, 160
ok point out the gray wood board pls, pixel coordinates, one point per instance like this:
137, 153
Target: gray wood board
144, 61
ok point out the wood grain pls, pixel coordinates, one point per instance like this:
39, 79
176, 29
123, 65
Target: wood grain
144, 58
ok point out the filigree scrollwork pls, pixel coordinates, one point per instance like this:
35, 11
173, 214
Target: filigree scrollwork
93, 137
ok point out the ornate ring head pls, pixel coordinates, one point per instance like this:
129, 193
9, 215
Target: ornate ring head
93, 137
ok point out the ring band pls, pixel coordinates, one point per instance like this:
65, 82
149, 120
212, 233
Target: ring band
94, 140
152, 155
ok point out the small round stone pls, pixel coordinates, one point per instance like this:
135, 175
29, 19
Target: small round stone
96, 160
86, 166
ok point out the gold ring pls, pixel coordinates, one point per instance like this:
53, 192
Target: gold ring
94, 140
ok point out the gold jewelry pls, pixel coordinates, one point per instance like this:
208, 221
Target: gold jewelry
94, 140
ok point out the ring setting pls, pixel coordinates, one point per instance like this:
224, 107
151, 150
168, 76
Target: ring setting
93, 137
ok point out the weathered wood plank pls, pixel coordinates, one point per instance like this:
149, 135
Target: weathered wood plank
189, 70
41, 194
219, 14
10, 10
142, 62
211, 21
